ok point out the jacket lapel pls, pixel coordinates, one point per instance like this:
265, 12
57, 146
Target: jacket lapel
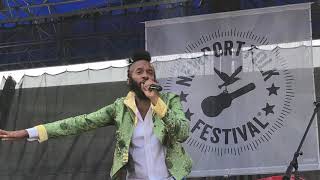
158, 124
130, 102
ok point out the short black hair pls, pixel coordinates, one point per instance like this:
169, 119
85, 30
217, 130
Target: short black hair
137, 56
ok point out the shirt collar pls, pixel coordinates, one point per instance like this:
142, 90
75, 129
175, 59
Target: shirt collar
130, 102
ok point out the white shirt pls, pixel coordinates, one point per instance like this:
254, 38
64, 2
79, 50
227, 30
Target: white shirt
146, 151
147, 154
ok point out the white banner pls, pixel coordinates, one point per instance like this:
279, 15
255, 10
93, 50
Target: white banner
248, 100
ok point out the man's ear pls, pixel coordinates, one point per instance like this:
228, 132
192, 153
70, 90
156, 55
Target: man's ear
155, 78
154, 74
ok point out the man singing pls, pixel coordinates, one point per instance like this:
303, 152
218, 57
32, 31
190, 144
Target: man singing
150, 127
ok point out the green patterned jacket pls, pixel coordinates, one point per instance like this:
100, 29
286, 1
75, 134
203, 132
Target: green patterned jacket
170, 127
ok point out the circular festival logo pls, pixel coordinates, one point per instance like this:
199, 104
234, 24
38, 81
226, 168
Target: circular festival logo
238, 97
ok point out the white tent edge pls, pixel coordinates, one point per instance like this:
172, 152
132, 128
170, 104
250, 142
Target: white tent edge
17, 75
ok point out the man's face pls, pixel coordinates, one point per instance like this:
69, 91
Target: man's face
140, 72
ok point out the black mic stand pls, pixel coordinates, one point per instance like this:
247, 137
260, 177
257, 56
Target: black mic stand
294, 161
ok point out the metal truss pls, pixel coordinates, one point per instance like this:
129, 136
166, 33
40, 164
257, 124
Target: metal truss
54, 39
30, 16
45, 40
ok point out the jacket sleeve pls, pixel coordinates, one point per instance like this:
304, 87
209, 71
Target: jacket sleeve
174, 118
78, 124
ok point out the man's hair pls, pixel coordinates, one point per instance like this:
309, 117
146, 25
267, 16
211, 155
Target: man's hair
137, 56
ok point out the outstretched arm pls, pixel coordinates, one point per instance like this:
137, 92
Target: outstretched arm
13, 135
76, 125
69, 126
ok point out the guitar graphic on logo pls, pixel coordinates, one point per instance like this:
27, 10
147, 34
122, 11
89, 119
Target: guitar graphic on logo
212, 106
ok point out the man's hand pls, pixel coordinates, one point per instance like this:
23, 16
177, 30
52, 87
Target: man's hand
152, 95
13, 135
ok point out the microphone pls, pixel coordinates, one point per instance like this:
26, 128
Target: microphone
156, 87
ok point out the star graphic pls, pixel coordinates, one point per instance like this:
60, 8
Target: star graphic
273, 90
189, 114
268, 109
183, 96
